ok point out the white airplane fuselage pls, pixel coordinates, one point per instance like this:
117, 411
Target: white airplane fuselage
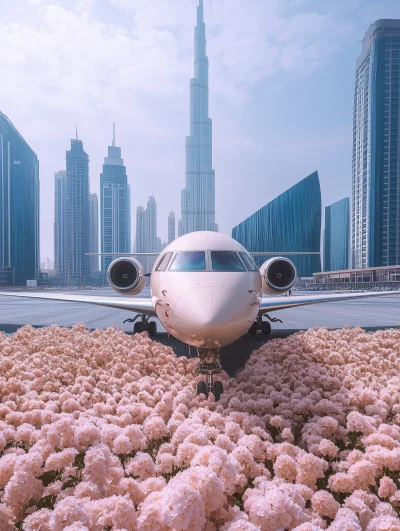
206, 309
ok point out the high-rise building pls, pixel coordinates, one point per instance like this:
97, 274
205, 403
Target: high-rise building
60, 223
128, 218
114, 206
147, 240
289, 223
140, 230
375, 213
19, 206
78, 214
151, 226
171, 226
94, 233
198, 196
337, 235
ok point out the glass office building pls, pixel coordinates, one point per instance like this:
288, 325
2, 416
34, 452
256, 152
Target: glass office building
77, 213
337, 235
375, 231
19, 207
60, 224
94, 233
114, 206
289, 223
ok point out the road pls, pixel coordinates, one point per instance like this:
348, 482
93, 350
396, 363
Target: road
370, 314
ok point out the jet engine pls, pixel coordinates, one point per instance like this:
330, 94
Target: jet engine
278, 275
125, 276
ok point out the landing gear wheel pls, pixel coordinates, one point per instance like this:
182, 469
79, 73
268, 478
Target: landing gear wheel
138, 328
218, 390
152, 329
253, 329
266, 328
202, 389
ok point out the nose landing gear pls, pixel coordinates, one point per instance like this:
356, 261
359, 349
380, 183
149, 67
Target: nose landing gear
144, 325
209, 365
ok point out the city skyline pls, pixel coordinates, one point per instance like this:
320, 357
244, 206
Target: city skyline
265, 106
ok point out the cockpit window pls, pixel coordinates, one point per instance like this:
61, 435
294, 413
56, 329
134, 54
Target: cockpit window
163, 263
189, 261
226, 261
248, 262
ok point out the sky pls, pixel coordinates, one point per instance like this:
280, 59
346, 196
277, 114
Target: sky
281, 93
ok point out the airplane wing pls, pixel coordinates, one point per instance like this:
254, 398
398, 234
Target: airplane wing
270, 304
133, 304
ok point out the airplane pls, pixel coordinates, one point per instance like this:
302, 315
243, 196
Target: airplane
206, 290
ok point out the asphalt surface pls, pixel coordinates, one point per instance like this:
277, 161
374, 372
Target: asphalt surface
370, 314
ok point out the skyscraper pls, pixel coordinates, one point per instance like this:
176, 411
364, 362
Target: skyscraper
60, 222
171, 226
19, 206
337, 235
78, 211
150, 227
94, 233
140, 224
146, 232
375, 231
198, 196
289, 223
114, 206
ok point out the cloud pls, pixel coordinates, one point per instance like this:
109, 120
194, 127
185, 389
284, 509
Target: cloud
93, 62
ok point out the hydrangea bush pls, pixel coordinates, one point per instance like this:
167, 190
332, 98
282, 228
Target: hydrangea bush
103, 431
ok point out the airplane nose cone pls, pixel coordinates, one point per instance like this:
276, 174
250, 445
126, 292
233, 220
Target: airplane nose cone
206, 305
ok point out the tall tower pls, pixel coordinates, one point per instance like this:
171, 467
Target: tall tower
77, 263
19, 207
60, 223
94, 233
171, 226
146, 232
114, 206
375, 214
337, 235
198, 196
151, 226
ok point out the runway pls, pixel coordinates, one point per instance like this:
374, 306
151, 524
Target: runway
370, 314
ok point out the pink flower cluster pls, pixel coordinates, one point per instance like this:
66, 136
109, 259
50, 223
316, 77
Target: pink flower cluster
100, 430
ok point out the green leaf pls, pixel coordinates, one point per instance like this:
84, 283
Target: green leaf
47, 502
71, 482
79, 459
49, 477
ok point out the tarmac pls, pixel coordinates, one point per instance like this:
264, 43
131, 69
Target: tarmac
373, 314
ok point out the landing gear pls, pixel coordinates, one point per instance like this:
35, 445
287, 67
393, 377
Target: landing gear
209, 365
144, 325
263, 326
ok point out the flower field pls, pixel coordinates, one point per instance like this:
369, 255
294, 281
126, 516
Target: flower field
102, 431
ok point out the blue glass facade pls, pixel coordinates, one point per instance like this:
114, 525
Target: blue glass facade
19, 205
77, 212
289, 223
337, 235
114, 207
375, 231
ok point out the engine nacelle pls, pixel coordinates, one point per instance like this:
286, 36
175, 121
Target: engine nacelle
125, 275
278, 275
